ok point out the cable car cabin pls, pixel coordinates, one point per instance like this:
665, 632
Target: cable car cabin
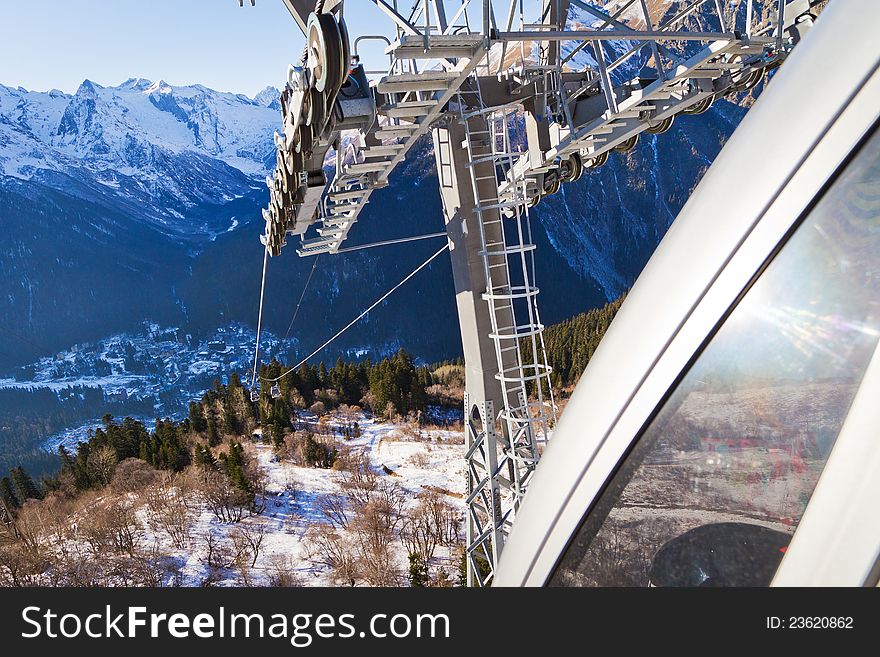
255, 395
275, 391
735, 442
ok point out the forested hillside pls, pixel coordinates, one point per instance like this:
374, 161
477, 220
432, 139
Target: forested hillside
570, 344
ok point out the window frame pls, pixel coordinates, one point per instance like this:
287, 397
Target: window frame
854, 461
807, 182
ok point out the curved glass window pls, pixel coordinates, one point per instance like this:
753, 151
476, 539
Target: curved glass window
713, 490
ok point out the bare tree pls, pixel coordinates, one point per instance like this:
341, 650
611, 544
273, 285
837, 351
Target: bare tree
334, 508
225, 501
336, 550
169, 511
133, 475
218, 556
112, 527
359, 480
248, 539
20, 566
281, 571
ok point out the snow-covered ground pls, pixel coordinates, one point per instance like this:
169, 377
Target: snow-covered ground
432, 461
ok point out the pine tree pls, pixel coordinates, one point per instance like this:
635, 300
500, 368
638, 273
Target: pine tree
7, 494
230, 419
68, 466
418, 570
145, 453
24, 486
213, 434
197, 417
233, 464
204, 458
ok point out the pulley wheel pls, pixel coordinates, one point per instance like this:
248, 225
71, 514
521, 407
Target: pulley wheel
700, 106
346, 52
316, 108
303, 139
754, 78
596, 162
324, 52
660, 127
572, 168
627, 145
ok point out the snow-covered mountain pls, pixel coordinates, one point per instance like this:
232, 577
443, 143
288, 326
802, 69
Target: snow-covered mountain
166, 150
142, 201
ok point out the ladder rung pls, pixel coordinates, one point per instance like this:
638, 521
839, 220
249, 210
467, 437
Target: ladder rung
499, 206
356, 193
366, 167
383, 150
408, 109
426, 81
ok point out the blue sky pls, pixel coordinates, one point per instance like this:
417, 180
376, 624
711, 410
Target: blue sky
47, 44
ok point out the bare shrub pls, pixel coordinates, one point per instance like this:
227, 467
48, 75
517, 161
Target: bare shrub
101, 463
296, 399
169, 511
337, 550
133, 476
21, 566
219, 554
39, 524
359, 480
348, 413
443, 580
431, 523
248, 541
291, 484
54, 519
112, 528
334, 508
295, 447
374, 526
390, 413
369, 401
227, 502
420, 460
282, 572
446, 396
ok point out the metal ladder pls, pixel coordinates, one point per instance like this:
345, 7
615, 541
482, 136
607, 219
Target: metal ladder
507, 253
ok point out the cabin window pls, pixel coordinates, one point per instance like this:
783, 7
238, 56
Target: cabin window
715, 486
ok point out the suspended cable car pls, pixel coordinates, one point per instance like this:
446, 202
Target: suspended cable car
255, 395
275, 391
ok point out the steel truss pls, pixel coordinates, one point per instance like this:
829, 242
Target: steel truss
456, 70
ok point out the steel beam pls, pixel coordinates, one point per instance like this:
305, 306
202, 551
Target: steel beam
613, 35
460, 217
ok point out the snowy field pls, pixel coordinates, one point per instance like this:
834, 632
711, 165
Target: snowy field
418, 462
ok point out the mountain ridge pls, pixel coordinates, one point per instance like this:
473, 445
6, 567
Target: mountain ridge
170, 208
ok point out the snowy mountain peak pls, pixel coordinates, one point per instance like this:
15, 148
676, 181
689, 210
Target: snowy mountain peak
160, 87
269, 97
140, 84
88, 88
164, 148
